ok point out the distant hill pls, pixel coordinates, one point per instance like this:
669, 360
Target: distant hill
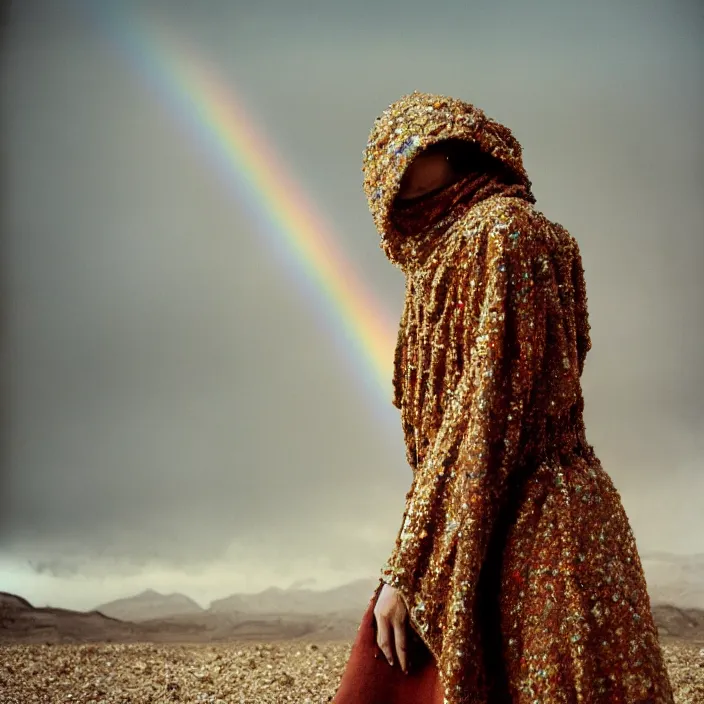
675, 579
150, 605
687, 624
22, 622
346, 599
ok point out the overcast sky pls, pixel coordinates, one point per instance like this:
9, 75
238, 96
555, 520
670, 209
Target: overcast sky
184, 414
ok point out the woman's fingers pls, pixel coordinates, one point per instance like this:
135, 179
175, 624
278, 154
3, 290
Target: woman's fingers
399, 626
390, 614
391, 635
383, 638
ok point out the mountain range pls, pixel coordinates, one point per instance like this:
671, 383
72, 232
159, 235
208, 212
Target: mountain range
675, 584
672, 579
346, 600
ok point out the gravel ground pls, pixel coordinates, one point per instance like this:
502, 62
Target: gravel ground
233, 673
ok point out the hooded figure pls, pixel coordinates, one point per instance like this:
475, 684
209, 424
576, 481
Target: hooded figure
515, 559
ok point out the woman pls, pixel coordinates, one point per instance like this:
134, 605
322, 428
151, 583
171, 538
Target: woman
515, 566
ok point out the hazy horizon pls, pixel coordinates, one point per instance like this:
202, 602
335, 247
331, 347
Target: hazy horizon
184, 412
124, 590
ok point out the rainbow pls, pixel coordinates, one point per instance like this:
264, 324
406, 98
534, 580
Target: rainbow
212, 113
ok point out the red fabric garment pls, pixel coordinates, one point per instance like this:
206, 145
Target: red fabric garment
371, 680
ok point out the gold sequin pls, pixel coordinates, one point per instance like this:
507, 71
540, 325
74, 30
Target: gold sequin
515, 559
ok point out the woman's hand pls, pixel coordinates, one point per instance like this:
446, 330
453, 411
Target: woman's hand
391, 618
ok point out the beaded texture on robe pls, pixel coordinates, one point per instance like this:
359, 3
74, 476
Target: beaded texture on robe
515, 557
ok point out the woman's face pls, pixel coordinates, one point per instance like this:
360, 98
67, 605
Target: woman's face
427, 172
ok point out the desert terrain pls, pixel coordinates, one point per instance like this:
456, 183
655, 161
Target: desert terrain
278, 646
235, 673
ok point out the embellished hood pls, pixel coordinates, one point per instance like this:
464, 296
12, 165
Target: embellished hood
411, 125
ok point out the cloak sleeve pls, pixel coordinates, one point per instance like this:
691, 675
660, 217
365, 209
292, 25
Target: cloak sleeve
519, 370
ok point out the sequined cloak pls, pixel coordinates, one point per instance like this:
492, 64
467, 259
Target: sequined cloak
515, 557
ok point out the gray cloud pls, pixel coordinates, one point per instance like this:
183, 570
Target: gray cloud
177, 394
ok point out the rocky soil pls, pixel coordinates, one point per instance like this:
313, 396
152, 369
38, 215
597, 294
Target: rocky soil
234, 673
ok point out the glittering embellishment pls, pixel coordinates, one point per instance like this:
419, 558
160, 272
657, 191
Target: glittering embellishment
492, 344
407, 148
